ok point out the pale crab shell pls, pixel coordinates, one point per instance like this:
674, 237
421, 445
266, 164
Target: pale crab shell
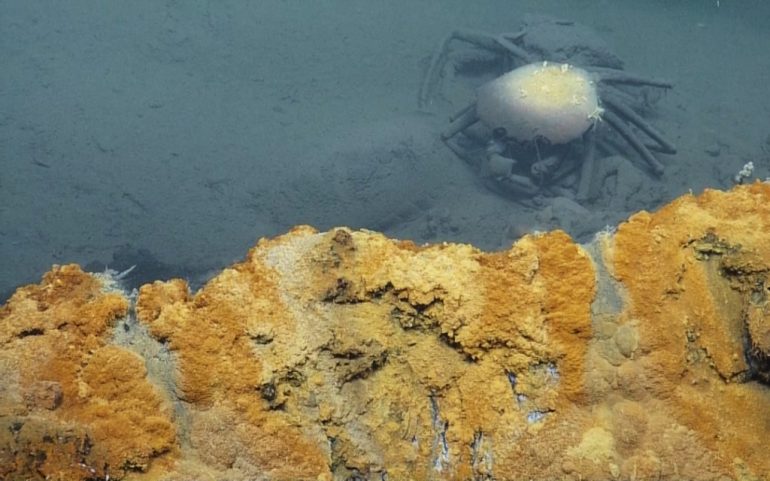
554, 101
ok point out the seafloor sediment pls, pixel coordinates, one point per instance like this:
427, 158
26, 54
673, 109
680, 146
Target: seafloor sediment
347, 355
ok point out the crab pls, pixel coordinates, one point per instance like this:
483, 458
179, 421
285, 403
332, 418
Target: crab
535, 129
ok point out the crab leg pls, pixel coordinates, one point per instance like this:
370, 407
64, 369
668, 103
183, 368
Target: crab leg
616, 123
611, 75
506, 41
612, 101
565, 169
462, 111
588, 166
479, 39
513, 184
520, 185
460, 121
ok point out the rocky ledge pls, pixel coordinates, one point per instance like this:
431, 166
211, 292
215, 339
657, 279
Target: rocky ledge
346, 355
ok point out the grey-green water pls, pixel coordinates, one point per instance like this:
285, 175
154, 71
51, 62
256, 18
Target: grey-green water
172, 135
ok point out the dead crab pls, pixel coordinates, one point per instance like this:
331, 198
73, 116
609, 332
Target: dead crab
534, 130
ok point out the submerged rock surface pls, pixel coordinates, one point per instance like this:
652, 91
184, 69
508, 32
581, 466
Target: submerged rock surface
347, 355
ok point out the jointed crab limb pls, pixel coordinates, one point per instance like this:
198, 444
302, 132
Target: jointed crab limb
616, 123
461, 152
462, 111
545, 167
611, 75
506, 41
462, 120
493, 166
611, 101
479, 39
520, 185
587, 167
564, 170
